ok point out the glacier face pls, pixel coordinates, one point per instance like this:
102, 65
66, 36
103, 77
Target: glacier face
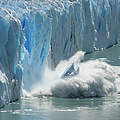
51, 31
34, 60
84, 25
11, 39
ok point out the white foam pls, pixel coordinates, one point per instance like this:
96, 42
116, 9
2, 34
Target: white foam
95, 79
50, 78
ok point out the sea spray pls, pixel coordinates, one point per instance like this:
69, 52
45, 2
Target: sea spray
95, 78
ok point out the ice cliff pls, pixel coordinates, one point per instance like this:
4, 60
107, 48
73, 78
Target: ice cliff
51, 30
11, 40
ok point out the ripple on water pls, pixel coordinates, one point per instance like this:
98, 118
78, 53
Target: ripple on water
50, 108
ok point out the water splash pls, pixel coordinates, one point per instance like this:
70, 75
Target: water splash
95, 78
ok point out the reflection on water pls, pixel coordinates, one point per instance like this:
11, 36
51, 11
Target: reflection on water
49, 108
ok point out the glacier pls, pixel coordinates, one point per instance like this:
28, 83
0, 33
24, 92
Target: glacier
11, 40
71, 24
36, 33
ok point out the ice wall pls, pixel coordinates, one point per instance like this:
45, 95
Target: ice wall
11, 39
53, 30
86, 25
35, 59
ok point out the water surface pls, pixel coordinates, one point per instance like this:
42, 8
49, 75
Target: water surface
50, 108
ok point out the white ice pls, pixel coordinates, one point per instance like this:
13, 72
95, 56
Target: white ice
95, 79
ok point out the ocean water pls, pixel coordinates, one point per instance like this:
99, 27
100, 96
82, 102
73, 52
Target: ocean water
51, 108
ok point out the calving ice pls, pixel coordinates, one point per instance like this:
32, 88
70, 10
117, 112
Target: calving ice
95, 79
36, 33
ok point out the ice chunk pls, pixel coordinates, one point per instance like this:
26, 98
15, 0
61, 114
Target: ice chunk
70, 72
95, 79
